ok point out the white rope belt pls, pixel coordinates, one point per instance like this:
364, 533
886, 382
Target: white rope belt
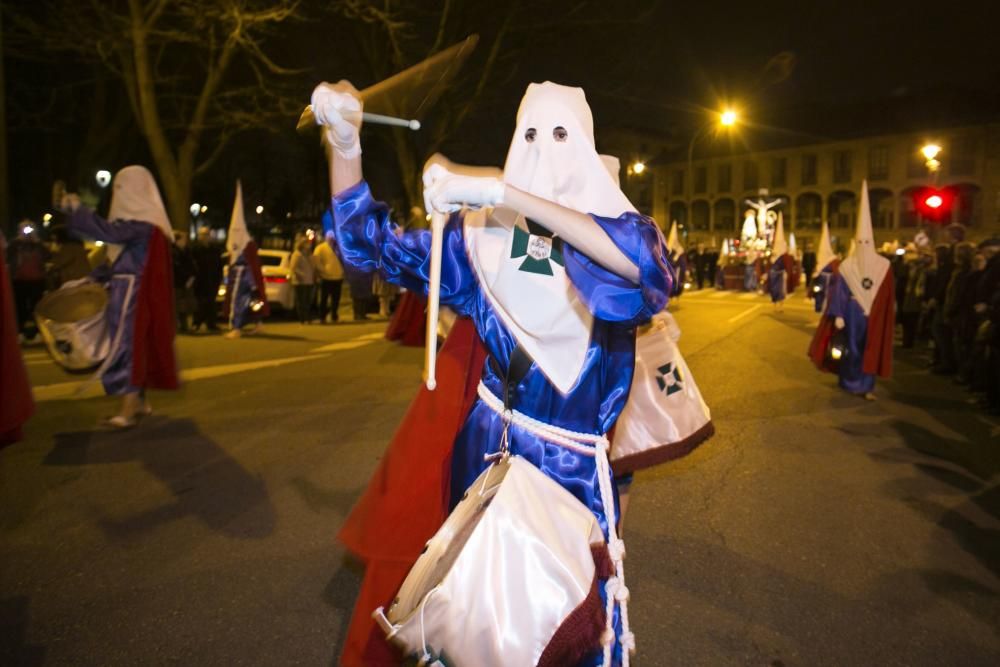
596, 446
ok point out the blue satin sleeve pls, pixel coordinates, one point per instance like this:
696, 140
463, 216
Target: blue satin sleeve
611, 297
369, 241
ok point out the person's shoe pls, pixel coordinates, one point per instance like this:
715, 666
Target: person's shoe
119, 422
235, 333
870, 396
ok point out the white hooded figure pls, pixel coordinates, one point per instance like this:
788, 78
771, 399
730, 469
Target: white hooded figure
678, 258
858, 321
827, 264
246, 293
555, 268
781, 278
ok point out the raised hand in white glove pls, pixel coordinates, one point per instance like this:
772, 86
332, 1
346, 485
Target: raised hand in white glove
839, 323
446, 192
337, 107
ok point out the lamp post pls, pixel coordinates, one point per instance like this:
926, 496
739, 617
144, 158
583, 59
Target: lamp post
725, 120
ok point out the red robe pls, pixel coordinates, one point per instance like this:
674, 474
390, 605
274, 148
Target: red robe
154, 365
407, 498
16, 402
877, 358
409, 323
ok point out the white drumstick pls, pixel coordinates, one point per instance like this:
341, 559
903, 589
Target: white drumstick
308, 120
438, 221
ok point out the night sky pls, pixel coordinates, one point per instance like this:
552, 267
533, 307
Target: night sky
799, 71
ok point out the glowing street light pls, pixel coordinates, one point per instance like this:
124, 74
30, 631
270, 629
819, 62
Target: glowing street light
260, 209
934, 201
728, 118
46, 219
638, 167
204, 208
930, 151
103, 178
195, 209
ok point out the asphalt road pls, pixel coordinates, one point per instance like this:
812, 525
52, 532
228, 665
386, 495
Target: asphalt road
813, 529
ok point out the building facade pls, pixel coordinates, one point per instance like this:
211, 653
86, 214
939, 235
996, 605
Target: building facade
822, 181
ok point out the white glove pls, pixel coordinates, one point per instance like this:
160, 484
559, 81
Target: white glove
839, 323
337, 107
446, 192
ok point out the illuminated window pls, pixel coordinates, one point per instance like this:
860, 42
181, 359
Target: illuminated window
809, 169
779, 169
725, 178
878, 163
842, 166
750, 177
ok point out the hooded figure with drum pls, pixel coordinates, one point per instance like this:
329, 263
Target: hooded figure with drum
555, 268
140, 312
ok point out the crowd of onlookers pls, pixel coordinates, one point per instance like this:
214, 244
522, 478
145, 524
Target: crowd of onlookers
948, 298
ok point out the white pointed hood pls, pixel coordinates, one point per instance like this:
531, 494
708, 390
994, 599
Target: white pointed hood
792, 245
824, 254
522, 270
725, 248
780, 246
674, 241
864, 270
134, 196
569, 172
238, 236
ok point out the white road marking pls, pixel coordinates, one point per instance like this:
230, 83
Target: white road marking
67, 390
746, 312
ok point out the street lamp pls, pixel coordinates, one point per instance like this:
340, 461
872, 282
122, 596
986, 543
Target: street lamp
103, 178
638, 167
204, 208
260, 209
930, 151
195, 209
726, 119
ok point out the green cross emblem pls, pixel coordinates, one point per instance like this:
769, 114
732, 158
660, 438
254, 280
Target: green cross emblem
669, 378
538, 246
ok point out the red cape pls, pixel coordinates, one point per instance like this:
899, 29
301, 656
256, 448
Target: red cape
253, 266
791, 272
154, 364
407, 498
16, 402
877, 359
409, 323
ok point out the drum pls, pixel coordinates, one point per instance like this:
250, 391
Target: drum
665, 416
73, 325
500, 581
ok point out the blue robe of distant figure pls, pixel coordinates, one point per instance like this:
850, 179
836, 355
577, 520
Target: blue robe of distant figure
749, 278
240, 279
370, 242
126, 276
776, 282
820, 285
840, 304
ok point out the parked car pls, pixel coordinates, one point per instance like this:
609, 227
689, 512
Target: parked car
275, 265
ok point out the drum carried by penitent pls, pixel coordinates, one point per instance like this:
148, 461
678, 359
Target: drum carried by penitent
73, 324
500, 581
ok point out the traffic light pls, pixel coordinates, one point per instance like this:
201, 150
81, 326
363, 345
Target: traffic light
934, 204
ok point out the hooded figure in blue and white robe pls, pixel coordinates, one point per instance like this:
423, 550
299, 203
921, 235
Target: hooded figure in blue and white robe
524, 286
827, 263
246, 294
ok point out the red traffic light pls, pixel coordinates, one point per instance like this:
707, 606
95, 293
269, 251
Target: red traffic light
933, 203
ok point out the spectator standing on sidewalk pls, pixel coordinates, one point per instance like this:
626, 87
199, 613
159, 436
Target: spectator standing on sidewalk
26, 257
331, 277
303, 279
184, 277
207, 256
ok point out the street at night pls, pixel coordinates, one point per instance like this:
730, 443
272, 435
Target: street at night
815, 528
492, 333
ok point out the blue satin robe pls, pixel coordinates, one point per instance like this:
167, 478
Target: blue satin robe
777, 287
134, 236
842, 304
370, 242
822, 280
240, 274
